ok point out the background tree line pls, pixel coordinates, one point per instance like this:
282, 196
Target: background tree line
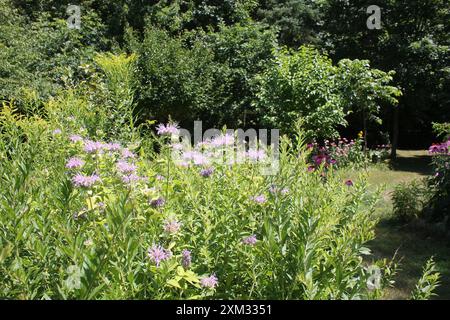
246, 62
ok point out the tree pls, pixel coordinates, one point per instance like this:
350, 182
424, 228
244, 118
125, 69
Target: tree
365, 89
414, 42
302, 84
297, 21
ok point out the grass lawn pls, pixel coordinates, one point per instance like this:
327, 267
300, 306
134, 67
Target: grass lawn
414, 243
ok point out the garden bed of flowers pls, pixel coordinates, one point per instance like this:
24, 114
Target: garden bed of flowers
85, 216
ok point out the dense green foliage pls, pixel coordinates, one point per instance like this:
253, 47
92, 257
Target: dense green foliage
95, 205
65, 236
222, 47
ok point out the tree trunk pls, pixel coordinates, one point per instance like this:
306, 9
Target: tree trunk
365, 132
395, 132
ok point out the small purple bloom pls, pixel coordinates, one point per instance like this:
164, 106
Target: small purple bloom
311, 168
256, 155
223, 140
81, 180
177, 146
157, 254
131, 178
56, 132
126, 153
93, 146
74, 163
206, 173
200, 159
349, 183
187, 259
112, 146
209, 282
251, 240
159, 202
75, 138
260, 199
169, 129
172, 226
125, 167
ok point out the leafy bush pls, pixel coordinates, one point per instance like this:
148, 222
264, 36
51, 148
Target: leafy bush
174, 80
365, 89
428, 283
409, 200
43, 55
302, 84
202, 75
439, 183
339, 153
442, 130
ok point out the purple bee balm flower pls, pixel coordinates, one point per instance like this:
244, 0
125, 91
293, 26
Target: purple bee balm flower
250, 241
125, 167
188, 155
126, 153
183, 164
200, 159
311, 168
209, 282
274, 190
75, 138
206, 173
349, 183
80, 180
113, 146
157, 254
159, 177
260, 199
223, 140
177, 146
56, 132
159, 202
131, 178
169, 129
172, 226
93, 146
256, 155
74, 163
187, 259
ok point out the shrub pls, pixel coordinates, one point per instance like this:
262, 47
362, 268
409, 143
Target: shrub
409, 200
442, 130
439, 183
174, 80
428, 283
340, 153
203, 75
301, 84
43, 55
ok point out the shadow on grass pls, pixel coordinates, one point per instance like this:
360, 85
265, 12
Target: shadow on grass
412, 162
414, 243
